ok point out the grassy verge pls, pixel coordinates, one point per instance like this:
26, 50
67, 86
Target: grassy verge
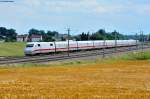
12, 49
54, 64
132, 56
136, 56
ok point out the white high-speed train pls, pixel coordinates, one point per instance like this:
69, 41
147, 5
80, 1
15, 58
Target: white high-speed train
33, 48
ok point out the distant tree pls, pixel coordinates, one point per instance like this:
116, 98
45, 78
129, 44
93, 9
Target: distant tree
47, 36
36, 32
118, 35
84, 36
50, 36
42, 32
9, 35
102, 32
99, 35
3, 31
52, 33
93, 36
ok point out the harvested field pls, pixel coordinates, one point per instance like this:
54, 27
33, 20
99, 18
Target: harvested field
110, 80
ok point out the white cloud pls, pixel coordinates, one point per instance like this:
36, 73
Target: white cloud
65, 5
85, 6
32, 7
39, 12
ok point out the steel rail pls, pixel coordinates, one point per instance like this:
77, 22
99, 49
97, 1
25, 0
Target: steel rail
63, 57
49, 55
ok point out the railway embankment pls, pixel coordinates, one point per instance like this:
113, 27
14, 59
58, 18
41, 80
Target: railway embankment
72, 56
130, 56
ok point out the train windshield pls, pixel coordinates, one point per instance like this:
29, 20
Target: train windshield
29, 45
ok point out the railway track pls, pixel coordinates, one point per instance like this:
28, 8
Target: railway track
51, 55
48, 58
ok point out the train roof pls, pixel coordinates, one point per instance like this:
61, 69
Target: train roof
77, 41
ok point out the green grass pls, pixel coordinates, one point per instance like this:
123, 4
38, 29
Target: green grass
136, 56
53, 64
110, 60
12, 49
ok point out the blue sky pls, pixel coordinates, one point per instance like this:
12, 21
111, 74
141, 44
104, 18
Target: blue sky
125, 16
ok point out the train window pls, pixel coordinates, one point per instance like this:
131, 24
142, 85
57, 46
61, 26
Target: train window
51, 44
39, 45
29, 45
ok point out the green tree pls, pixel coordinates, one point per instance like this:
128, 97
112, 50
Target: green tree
84, 36
9, 35
118, 35
34, 31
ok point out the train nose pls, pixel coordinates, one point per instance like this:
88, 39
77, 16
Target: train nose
28, 51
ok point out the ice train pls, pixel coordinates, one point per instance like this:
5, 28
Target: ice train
33, 48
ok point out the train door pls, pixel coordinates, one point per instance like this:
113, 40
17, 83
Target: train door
38, 47
52, 47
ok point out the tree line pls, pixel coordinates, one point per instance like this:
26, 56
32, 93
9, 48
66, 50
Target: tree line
10, 35
47, 36
100, 35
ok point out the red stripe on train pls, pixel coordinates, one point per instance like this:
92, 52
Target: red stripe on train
64, 48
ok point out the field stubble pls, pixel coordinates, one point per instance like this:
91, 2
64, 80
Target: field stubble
108, 80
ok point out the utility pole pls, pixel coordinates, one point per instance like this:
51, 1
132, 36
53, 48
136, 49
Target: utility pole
136, 41
142, 40
115, 42
104, 45
88, 36
68, 30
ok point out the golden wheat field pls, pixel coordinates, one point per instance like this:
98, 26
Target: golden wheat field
114, 80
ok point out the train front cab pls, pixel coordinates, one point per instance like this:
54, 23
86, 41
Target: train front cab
29, 49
